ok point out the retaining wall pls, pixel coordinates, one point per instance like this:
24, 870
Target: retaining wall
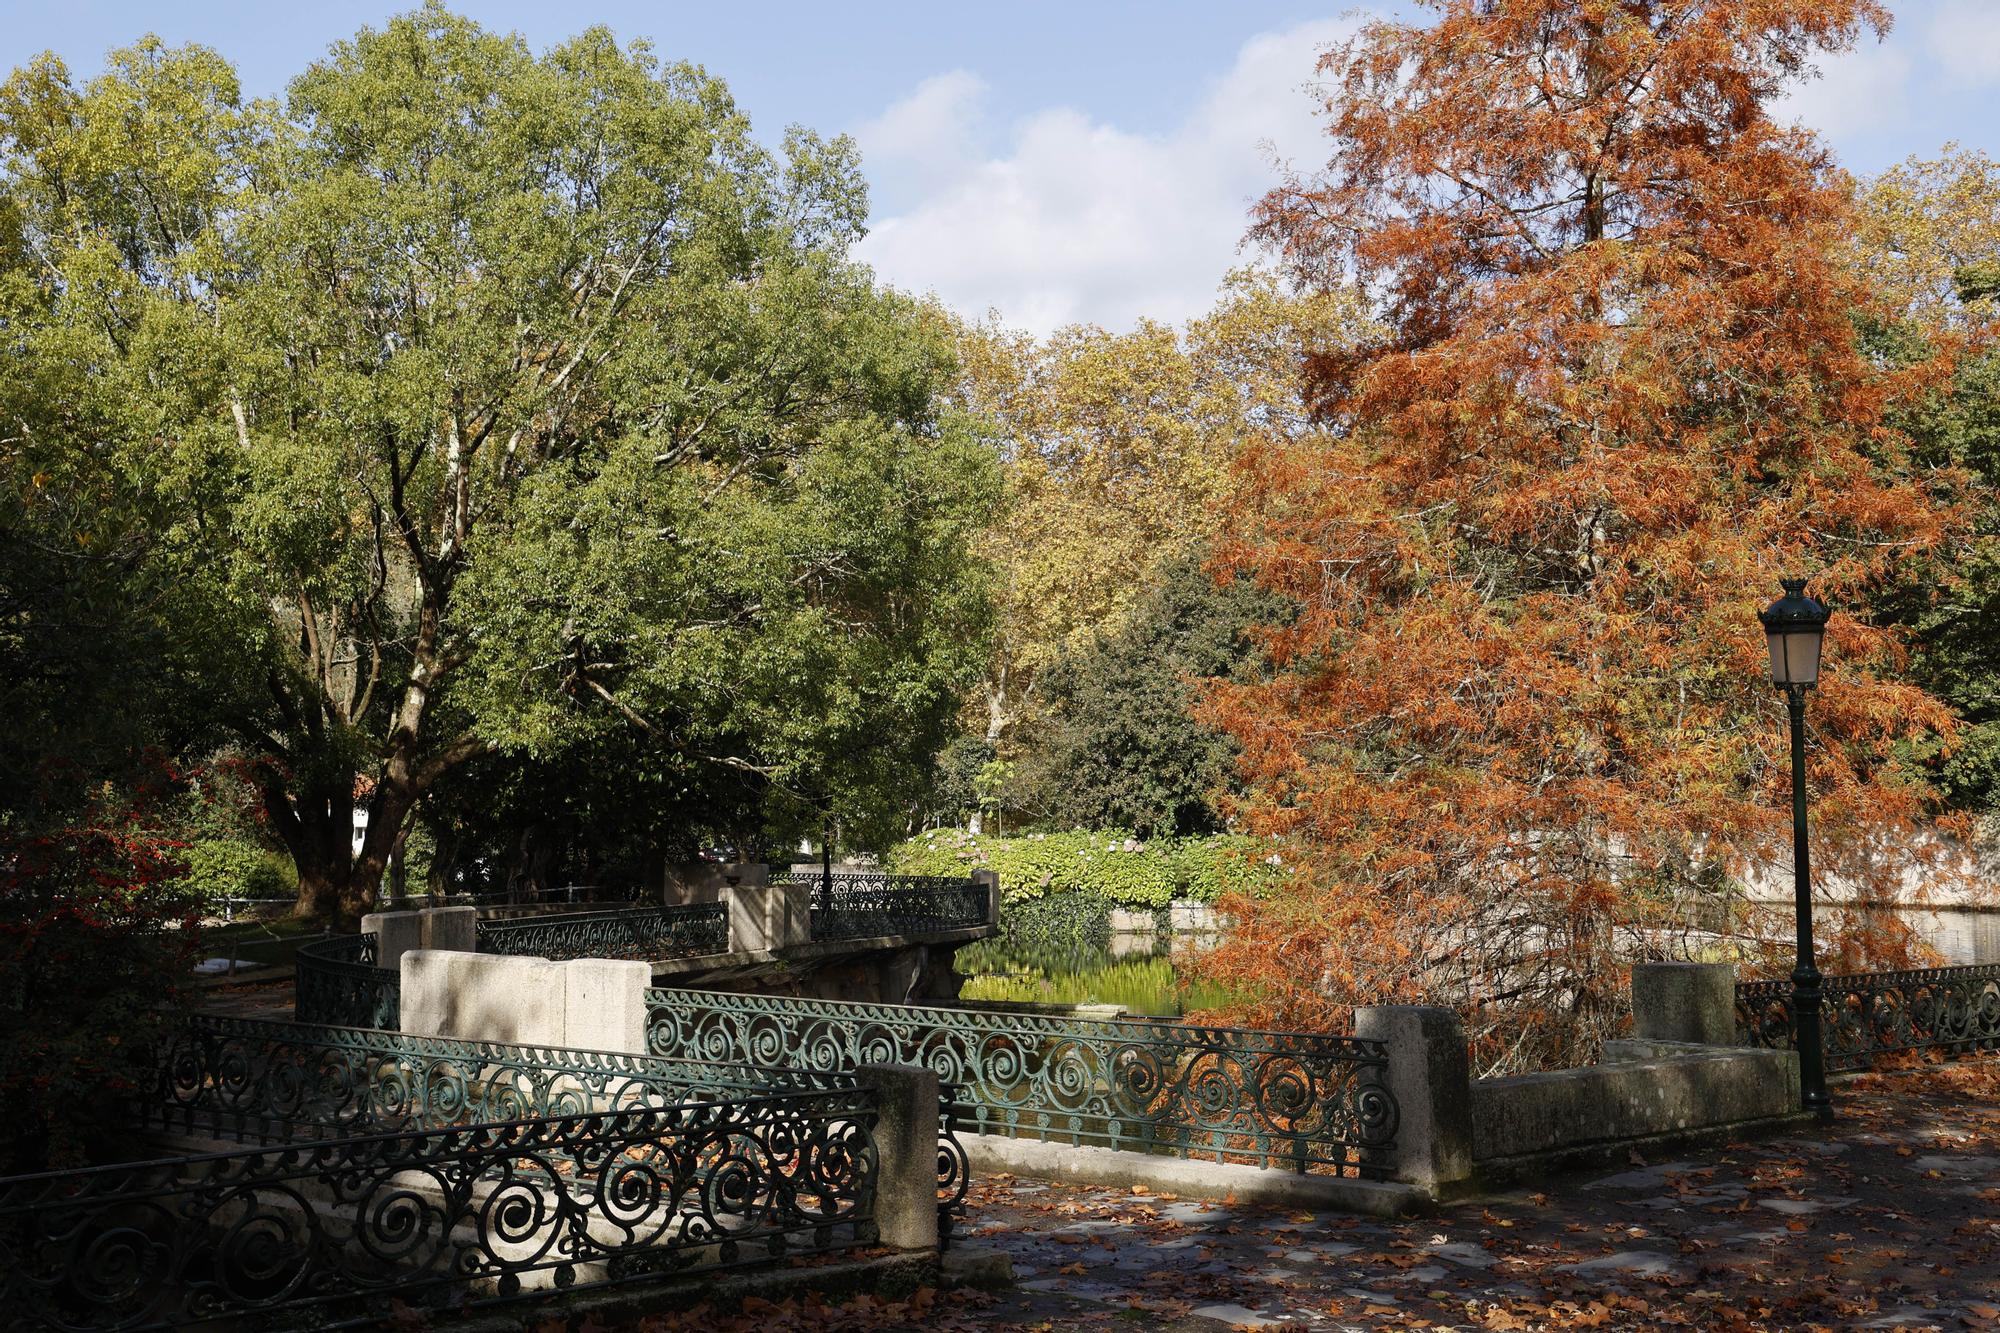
1679, 1079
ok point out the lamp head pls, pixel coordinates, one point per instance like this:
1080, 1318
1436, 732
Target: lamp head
1795, 626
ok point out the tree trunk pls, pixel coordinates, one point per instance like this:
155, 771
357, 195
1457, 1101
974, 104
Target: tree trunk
317, 828
388, 813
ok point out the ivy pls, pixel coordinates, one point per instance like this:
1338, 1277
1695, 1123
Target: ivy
1112, 865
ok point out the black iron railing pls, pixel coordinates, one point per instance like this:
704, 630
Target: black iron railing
650, 933
1291, 1100
334, 1233
336, 981
856, 905
1942, 1012
248, 1080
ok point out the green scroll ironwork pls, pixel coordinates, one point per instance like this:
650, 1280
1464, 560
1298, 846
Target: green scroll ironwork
325, 1234
1301, 1101
335, 981
650, 933
255, 1081
859, 905
1942, 1012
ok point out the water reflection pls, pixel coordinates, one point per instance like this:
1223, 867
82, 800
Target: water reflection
1135, 970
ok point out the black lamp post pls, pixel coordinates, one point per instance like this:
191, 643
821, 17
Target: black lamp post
1795, 624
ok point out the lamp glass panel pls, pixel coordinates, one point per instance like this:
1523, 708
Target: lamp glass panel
1795, 657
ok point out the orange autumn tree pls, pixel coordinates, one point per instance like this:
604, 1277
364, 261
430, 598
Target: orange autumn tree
1521, 728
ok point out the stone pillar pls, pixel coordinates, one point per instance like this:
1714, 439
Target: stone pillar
1694, 1002
451, 928
396, 933
991, 879
1430, 1077
906, 1154
764, 916
604, 1004
483, 997
586, 1004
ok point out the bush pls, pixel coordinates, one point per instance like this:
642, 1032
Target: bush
1112, 865
219, 868
96, 937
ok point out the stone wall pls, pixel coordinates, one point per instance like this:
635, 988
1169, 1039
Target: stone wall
585, 1004
1680, 1078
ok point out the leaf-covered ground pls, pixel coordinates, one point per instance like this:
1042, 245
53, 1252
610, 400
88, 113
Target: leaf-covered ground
1889, 1219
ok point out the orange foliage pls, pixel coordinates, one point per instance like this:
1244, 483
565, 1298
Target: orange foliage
1521, 727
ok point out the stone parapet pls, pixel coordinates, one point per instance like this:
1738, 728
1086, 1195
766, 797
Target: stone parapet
1685, 1002
1630, 1100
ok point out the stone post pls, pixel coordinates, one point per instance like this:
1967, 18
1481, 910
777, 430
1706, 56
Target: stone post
455, 928
991, 880
1693, 1002
765, 916
604, 1003
396, 933
1430, 1077
906, 1154
483, 997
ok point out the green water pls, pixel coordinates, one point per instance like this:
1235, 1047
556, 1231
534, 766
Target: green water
1077, 974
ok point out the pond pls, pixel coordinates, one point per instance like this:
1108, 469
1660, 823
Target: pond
1135, 970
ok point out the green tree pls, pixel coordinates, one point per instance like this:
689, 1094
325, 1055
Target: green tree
1928, 243
496, 402
1118, 746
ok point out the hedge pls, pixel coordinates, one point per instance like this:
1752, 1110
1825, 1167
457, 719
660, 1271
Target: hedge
1111, 864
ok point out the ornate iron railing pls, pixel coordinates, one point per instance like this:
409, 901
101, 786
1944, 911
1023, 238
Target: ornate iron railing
255, 1081
1301, 1101
325, 1234
857, 905
1942, 1011
336, 982
648, 934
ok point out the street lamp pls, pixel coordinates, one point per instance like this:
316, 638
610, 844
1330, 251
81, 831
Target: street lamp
1795, 625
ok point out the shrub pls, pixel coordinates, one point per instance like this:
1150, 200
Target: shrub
219, 868
96, 937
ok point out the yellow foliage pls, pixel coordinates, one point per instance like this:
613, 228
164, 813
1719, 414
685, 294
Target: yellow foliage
1923, 222
1118, 448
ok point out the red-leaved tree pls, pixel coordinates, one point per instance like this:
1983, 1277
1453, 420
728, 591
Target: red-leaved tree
1521, 728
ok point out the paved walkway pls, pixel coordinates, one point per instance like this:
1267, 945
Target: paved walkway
1890, 1219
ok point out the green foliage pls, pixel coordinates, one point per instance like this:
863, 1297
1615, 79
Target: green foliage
474, 401
1112, 866
220, 868
1065, 929
952, 792
1117, 744
1951, 601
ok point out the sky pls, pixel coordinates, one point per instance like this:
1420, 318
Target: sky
1089, 161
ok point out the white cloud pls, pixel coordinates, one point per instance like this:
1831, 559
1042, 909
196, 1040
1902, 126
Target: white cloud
1076, 219
934, 130
1964, 38
1860, 91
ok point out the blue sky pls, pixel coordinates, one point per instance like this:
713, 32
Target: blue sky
1086, 160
